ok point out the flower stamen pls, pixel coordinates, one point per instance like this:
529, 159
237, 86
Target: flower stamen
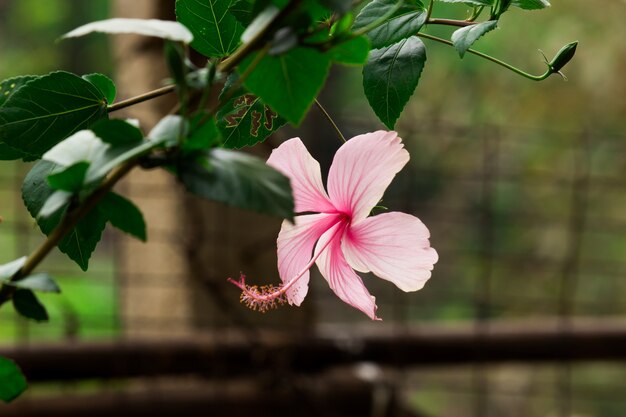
269, 297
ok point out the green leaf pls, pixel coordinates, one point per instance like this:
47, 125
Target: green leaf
9, 86
531, 4
70, 179
242, 10
117, 132
405, 22
104, 84
203, 136
216, 32
37, 282
9, 269
352, 52
391, 76
7, 89
464, 38
122, 143
81, 241
26, 303
48, 109
260, 23
164, 29
245, 119
7, 153
12, 382
288, 83
169, 130
124, 215
239, 180
175, 58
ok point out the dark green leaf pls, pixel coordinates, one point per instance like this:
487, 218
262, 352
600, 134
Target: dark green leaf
48, 109
245, 120
9, 269
242, 10
391, 76
124, 215
37, 282
9, 86
352, 52
117, 132
216, 32
70, 179
7, 153
464, 38
7, 89
239, 180
12, 382
104, 84
175, 57
82, 240
27, 304
531, 4
288, 83
201, 136
405, 22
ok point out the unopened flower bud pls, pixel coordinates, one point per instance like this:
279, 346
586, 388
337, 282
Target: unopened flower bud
562, 57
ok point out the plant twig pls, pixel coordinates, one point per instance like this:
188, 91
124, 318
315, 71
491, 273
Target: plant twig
69, 221
141, 98
449, 22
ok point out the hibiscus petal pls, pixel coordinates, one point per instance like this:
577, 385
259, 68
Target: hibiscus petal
340, 276
295, 249
394, 246
292, 159
362, 170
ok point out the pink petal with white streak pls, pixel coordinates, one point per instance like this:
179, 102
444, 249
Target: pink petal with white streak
342, 279
394, 246
292, 159
362, 170
295, 250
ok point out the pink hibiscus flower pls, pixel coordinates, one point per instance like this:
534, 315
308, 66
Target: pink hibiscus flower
340, 237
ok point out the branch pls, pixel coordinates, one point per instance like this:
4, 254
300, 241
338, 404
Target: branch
69, 221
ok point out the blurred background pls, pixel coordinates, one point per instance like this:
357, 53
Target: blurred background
522, 185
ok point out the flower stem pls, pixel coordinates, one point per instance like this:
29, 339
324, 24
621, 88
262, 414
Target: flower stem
330, 120
492, 59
